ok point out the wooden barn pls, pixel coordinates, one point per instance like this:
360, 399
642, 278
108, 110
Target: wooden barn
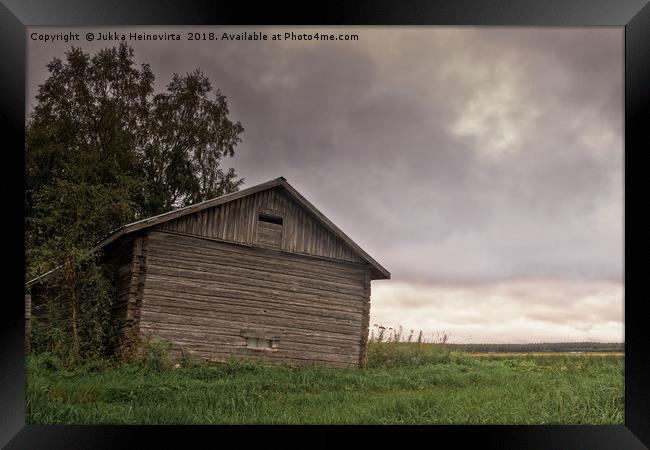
260, 272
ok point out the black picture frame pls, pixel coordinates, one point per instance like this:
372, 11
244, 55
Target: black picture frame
633, 15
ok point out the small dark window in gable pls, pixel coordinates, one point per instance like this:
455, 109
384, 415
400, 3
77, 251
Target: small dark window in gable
269, 230
270, 219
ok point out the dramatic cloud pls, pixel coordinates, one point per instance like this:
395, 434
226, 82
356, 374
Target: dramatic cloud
451, 154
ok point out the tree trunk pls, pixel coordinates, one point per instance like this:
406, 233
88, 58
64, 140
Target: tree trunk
71, 281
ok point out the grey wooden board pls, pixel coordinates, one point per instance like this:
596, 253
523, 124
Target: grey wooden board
194, 296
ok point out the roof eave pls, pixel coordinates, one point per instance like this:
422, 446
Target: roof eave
379, 275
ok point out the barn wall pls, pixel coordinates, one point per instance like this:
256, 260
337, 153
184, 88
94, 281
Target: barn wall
120, 257
236, 221
212, 298
128, 259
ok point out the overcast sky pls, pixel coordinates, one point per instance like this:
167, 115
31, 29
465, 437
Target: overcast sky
483, 167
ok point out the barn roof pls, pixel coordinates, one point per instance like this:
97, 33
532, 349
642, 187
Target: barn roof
378, 270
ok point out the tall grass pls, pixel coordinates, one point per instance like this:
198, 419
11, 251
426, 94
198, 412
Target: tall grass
382, 333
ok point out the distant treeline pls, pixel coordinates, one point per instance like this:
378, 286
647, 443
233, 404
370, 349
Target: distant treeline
543, 347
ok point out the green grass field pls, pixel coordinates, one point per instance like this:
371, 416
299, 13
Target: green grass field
404, 384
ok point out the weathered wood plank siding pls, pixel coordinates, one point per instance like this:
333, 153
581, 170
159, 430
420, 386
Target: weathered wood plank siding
120, 257
365, 324
212, 298
237, 221
128, 258
138, 274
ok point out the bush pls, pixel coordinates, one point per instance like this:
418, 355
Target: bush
97, 331
155, 354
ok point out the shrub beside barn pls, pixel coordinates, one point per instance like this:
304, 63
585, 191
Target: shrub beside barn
260, 272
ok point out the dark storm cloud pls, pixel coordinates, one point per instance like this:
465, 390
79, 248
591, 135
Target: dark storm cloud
447, 153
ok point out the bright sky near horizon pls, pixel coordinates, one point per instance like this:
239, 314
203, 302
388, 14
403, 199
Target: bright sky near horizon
482, 166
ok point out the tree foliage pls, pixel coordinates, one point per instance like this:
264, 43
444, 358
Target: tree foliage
103, 149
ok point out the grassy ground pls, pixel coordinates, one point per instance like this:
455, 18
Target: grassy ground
405, 383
